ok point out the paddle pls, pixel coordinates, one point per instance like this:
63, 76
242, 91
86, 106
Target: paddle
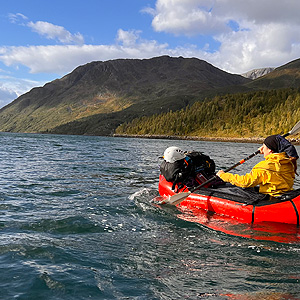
175, 199
294, 130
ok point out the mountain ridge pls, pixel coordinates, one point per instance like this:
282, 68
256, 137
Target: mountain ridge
114, 90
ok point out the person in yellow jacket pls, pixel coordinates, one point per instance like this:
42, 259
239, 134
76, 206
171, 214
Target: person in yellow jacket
275, 175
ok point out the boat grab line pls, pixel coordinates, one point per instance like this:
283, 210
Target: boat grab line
253, 210
296, 211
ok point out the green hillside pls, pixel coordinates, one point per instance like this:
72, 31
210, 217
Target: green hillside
95, 98
254, 114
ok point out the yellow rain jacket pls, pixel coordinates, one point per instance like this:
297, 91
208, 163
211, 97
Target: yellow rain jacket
274, 175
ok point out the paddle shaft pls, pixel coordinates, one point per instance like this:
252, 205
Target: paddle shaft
242, 161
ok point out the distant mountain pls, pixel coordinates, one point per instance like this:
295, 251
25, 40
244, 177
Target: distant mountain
256, 73
285, 76
95, 98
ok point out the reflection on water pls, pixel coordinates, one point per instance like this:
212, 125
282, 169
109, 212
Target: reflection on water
267, 231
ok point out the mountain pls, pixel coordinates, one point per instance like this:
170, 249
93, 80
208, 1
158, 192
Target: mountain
285, 76
256, 73
95, 98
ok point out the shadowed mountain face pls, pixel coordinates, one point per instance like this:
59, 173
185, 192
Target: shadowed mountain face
95, 98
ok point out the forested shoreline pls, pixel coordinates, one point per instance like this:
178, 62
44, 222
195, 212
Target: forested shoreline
245, 116
294, 141
194, 138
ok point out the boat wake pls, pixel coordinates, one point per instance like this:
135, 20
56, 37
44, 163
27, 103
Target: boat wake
144, 194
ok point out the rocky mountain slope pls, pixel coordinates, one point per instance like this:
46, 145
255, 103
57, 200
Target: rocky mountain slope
285, 76
256, 73
95, 98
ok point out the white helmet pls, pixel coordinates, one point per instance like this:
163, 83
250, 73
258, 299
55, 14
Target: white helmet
173, 154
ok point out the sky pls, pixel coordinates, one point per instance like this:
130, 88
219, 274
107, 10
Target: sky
41, 41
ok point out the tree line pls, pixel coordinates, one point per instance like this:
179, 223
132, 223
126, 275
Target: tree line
253, 114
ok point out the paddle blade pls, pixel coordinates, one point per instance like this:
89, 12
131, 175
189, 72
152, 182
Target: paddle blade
295, 129
175, 199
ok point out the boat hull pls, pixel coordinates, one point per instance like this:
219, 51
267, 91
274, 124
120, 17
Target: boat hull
217, 202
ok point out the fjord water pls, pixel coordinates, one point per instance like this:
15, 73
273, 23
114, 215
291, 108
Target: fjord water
76, 223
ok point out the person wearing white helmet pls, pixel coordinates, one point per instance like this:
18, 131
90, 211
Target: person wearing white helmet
175, 166
173, 154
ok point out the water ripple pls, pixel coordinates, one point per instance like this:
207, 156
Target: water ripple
76, 222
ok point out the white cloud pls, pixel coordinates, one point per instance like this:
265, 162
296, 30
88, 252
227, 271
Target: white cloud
60, 59
186, 18
55, 32
191, 17
267, 11
15, 18
11, 88
265, 35
128, 38
267, 45
6, 95
263, 46
49, 30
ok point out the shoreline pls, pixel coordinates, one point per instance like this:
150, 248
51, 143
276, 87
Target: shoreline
255, 140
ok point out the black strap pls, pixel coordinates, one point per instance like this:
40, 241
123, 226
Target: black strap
296, 211
253, 210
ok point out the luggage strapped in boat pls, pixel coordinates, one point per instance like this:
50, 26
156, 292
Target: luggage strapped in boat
196, 166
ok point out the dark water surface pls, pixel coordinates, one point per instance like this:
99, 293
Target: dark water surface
76, 223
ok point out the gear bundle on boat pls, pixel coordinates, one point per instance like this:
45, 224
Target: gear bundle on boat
186, 168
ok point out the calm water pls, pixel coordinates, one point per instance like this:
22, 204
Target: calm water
76, 223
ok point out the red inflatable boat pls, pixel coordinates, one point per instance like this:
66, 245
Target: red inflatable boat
238, 204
